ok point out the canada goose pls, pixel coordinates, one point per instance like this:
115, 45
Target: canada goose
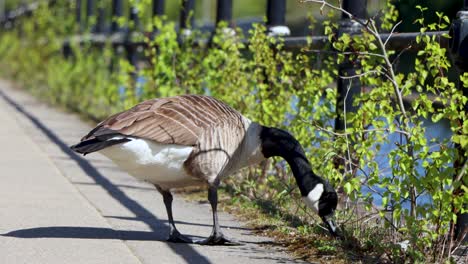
193, 139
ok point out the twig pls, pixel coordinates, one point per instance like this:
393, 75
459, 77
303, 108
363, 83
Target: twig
339, 8
354, 164
370, 218
462, 171
400, 53
458, 244
392, 74
391, 32
345, 126
358, 75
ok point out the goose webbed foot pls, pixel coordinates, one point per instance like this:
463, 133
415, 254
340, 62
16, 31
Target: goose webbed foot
176, 237
218, 239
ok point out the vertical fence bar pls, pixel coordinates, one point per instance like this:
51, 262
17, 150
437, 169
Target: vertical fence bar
158, 7
78, 13
356, 7
2, 10
224, 11
347, 89
101, 17
186, 13
134, 18
117, 12
276, 12
157, 11
276, 17
348, 68
458, 46
129, 45
90, 8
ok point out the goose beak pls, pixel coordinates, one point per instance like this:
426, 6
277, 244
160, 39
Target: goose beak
331, 226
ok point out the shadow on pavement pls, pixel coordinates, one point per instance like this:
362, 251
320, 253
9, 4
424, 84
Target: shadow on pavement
186, 251
176, 221
83, 233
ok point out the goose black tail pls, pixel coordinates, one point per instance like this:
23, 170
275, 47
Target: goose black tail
96, 144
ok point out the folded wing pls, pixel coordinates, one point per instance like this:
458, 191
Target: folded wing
177, 120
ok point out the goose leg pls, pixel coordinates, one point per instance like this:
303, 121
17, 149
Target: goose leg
174, 235
216, 237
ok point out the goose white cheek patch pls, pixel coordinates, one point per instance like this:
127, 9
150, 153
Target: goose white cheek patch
312, 199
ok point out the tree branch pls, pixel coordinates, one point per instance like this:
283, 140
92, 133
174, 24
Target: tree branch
359, 131
372, 29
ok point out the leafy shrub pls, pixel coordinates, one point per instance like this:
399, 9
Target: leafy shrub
389, 168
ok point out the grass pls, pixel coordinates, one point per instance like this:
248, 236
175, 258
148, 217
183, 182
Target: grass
305, 241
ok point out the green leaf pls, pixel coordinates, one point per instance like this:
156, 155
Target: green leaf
384, 201
348, 187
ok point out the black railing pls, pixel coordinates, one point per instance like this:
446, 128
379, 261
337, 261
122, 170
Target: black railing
276, 24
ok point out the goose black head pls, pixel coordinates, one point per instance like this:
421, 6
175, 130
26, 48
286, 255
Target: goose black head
316, 192
322, 198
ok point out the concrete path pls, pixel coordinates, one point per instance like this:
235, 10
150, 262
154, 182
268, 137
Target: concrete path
56, 207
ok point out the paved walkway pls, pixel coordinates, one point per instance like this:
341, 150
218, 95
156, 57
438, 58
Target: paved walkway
56, 207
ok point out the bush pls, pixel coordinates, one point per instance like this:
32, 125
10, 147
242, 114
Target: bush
390, 169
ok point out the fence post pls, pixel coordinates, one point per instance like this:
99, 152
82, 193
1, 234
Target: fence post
458, 45
134, 18
90, 13
117, 12
276, 18
224, 11
186, 13
101, 16
157, 11
78, 14
2, 10
129, 45
348, 68
158, 8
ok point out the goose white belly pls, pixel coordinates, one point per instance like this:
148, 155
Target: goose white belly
161, 164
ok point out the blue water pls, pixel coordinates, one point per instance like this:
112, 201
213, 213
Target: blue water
439, 131
139, 84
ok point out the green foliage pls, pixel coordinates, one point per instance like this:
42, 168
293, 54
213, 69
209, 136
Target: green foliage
384, 149
420, 172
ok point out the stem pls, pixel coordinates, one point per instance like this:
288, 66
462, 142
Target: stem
413, 202
391, 32
390, 70
462, 171
345, 127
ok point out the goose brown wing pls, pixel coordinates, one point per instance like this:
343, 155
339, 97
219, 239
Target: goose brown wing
176, 120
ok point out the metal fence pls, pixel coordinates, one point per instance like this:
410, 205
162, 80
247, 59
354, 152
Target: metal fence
275, 12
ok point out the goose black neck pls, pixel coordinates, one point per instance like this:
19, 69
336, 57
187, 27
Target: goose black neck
277, 142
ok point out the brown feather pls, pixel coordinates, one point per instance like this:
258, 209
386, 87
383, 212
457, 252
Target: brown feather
175, 120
